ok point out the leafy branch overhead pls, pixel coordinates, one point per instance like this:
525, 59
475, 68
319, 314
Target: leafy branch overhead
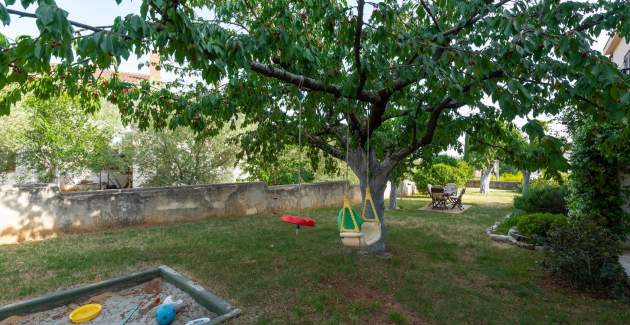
400, 70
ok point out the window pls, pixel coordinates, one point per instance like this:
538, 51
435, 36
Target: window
626, 63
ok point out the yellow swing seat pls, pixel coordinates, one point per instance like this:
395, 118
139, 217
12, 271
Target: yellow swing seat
365, 232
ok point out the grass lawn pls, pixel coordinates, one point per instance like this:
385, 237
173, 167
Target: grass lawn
444, 270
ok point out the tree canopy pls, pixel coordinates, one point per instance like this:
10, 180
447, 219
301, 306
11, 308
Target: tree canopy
392, 74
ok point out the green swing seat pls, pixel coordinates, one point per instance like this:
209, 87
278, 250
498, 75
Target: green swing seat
354, 230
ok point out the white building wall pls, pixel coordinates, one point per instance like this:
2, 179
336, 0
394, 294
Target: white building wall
620, 51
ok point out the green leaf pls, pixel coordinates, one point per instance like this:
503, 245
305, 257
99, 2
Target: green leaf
4, 16
144, 8
534, 129
45, 14
3, 41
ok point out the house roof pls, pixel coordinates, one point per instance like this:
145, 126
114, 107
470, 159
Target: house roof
124, 76
611, 44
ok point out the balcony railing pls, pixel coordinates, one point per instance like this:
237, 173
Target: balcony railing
625, 71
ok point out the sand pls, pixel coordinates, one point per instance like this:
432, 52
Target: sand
118, 305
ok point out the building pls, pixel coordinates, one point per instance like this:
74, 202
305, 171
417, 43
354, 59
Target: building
618, 50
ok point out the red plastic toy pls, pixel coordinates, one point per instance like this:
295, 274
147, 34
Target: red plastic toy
298, 221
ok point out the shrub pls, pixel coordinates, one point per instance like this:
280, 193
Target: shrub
507, 223
511, 177
534, 225
537, 225
595, 192
543, 199
445, 159
441, 174
585, 255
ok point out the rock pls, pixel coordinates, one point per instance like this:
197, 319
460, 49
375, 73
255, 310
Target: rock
513, 232
500, 238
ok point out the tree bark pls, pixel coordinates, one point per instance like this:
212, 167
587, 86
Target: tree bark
526, 176
484, 182
393, 204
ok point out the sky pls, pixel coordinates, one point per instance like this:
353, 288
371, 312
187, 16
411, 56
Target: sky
103, 12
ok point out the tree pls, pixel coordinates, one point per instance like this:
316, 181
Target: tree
62, 139
508, 144
329, 65
483, 152
178, 157
13, 129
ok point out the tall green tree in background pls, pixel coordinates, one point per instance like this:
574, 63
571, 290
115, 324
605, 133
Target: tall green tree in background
61, 139
13, 129
367, 66
178, 157
528, 150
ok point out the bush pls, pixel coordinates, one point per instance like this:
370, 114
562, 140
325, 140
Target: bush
511, 177
507, 224
534, 225
543, 199
537, 225
441, 174
585, 255
445, 159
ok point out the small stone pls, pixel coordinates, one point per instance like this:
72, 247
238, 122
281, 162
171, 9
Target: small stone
500, 238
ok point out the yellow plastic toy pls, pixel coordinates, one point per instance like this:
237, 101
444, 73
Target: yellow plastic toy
85, 313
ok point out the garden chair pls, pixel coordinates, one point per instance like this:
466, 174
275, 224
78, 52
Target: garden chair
450, 189
438, 200
457, 202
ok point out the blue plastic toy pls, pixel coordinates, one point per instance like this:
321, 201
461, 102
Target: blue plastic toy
165, 314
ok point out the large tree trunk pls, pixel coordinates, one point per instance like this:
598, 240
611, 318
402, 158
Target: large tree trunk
484, 182
393, 204
377, 183
526, 176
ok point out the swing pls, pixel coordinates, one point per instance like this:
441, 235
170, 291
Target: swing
359, 231
297, 220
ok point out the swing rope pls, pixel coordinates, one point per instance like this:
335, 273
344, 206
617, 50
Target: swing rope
368, 194
300, 147
347, 158
356, 221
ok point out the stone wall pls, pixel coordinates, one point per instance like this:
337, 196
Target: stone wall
38, 212
495, 184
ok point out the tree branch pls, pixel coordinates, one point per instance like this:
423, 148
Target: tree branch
400, 84
473, 19
306, 82
430, 13
427, 138
325, 146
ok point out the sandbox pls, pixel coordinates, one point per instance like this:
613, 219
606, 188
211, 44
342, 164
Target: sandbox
132, 297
